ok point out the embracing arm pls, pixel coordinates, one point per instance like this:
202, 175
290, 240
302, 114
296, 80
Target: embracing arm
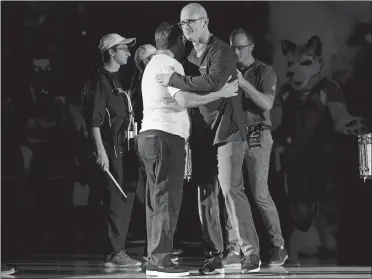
191, 100
222, 66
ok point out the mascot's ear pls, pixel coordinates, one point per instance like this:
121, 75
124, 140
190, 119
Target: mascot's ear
314, 45
288, 46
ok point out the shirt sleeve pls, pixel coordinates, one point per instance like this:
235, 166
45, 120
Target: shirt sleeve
269, 82
178, 68
222, 65
97, 102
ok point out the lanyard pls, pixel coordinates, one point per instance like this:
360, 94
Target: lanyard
132, 127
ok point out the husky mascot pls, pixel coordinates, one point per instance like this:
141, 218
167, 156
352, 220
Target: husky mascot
313, 117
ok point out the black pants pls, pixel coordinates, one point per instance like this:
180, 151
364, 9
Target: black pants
163, 155
117, 208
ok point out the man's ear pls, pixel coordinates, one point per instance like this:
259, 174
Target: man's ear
111, 52
206, 22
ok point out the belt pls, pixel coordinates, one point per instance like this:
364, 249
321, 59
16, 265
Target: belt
258, 127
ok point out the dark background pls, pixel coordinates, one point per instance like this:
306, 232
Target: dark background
54, 30
60, 37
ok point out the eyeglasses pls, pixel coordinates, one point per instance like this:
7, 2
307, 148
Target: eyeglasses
188, 22
239, 47
124, 48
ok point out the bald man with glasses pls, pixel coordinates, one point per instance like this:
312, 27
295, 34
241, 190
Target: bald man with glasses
218, 142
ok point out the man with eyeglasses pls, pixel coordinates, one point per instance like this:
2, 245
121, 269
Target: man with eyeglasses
258, 82
107, 118
161, 144
217, 142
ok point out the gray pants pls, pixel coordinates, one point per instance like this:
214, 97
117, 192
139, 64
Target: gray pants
230, 178
256, 166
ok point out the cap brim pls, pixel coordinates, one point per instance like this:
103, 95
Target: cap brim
129, 42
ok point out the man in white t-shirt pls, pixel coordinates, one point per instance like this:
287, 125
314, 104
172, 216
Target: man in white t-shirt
161, 144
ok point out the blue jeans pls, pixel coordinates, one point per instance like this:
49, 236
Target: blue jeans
229, 176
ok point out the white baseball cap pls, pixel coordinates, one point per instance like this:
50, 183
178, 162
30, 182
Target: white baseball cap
143, 52
110, 40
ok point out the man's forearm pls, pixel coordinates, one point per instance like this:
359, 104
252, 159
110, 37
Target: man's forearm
97, 140
191, 100
263, 101
201, 85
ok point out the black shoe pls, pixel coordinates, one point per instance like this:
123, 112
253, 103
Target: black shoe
279, 256
166, 271
231, 259
120, 259
212, 266
7, 270
251, 263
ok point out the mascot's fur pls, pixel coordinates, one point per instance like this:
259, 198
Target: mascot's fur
312, 113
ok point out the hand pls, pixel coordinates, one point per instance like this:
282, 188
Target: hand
240, 76
229, 89
102, 161
164, 78
241, 79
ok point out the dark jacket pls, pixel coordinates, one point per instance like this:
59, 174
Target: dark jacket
108, 110
223, 118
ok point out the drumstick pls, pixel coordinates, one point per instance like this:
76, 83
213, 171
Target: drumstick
115, 182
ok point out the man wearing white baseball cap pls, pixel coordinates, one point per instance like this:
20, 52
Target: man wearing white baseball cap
107, 118
113, 39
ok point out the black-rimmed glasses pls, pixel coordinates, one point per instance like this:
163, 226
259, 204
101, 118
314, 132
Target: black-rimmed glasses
240, 47
188, 22
123, 48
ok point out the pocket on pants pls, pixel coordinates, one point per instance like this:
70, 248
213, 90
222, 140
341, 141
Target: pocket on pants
151, 148
266, 140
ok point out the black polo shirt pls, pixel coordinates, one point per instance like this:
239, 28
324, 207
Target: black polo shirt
108, 110
223, 118
264, 79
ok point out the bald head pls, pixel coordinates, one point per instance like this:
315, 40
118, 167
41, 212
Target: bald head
193, 11
194, 23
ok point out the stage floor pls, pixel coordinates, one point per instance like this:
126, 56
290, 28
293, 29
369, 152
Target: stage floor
80, 266
91, 266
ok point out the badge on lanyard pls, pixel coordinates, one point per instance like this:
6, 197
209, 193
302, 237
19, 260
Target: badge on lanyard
254, 137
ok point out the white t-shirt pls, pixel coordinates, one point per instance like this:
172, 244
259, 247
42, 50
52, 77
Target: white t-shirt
160, 110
